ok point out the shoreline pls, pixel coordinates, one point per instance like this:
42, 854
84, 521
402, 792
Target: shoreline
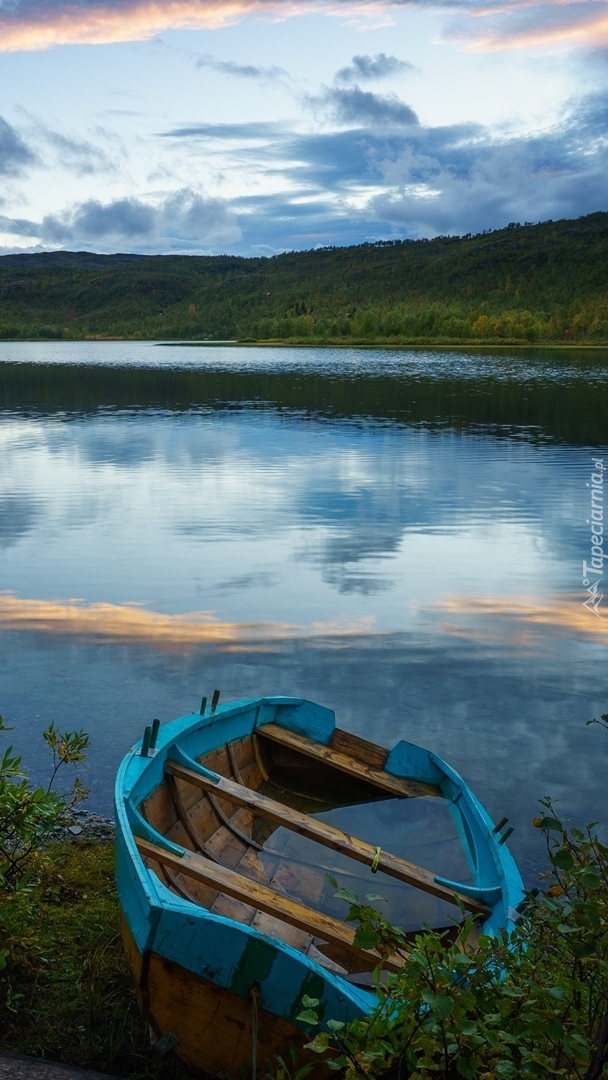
305, 343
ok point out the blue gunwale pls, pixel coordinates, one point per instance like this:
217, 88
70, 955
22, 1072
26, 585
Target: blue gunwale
232, 955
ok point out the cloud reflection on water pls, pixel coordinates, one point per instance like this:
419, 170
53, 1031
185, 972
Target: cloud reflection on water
132, 623
510, 617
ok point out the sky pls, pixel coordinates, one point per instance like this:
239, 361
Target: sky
258, 126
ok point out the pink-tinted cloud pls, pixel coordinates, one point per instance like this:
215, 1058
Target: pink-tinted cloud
30, 26
573, 25
521, 24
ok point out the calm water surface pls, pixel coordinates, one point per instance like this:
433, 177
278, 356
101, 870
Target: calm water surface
399, 536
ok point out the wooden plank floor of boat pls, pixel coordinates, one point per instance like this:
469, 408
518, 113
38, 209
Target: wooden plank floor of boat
227, 839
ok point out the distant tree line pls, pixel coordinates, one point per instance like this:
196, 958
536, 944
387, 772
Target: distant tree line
544, 283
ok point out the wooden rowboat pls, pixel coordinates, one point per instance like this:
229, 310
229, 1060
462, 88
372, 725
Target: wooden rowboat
228, 830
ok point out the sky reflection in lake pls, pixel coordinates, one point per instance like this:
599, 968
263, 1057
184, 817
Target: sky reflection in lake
421, 574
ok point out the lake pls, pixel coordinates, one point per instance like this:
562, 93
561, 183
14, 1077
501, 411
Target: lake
399, 535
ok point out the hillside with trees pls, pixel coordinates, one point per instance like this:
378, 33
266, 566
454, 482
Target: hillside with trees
545, 283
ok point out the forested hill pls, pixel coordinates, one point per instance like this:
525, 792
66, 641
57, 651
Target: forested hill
524, 283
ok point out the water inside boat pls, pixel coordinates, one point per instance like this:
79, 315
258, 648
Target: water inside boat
408, 819
419, 830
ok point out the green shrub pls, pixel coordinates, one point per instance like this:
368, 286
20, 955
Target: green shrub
29, 816
27, 813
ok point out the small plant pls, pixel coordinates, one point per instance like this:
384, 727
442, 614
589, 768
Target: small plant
28, 816
28, 813
67, 748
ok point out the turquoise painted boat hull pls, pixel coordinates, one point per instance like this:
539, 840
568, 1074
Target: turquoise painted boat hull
196, 969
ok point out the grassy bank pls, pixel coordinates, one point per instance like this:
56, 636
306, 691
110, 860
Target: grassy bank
71, 996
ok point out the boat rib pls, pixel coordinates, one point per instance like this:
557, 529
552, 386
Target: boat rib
191, 830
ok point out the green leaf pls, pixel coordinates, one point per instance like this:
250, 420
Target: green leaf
319, 1043
372, 898
467, 1067
505, 1068
309, 1002
462, 960
555, 1030
335, 1025
549, 823
562, 859
332, 881
590, 879
345, 894
365, 937
469, 1027
581, 948
441, 1005
303, 1072
308, 1017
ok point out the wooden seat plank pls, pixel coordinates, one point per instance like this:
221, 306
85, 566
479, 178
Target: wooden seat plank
358, 748
264, 899
325, 834
396, 785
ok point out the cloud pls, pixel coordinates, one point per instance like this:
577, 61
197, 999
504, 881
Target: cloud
372, 173
15, 155
257, 130
455, 181
372, 68
355, 106
37, 24
371, 181
124, 217
33, 24
182, 220
73, 153
528, 24
76, 154
241, 71
29, 25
